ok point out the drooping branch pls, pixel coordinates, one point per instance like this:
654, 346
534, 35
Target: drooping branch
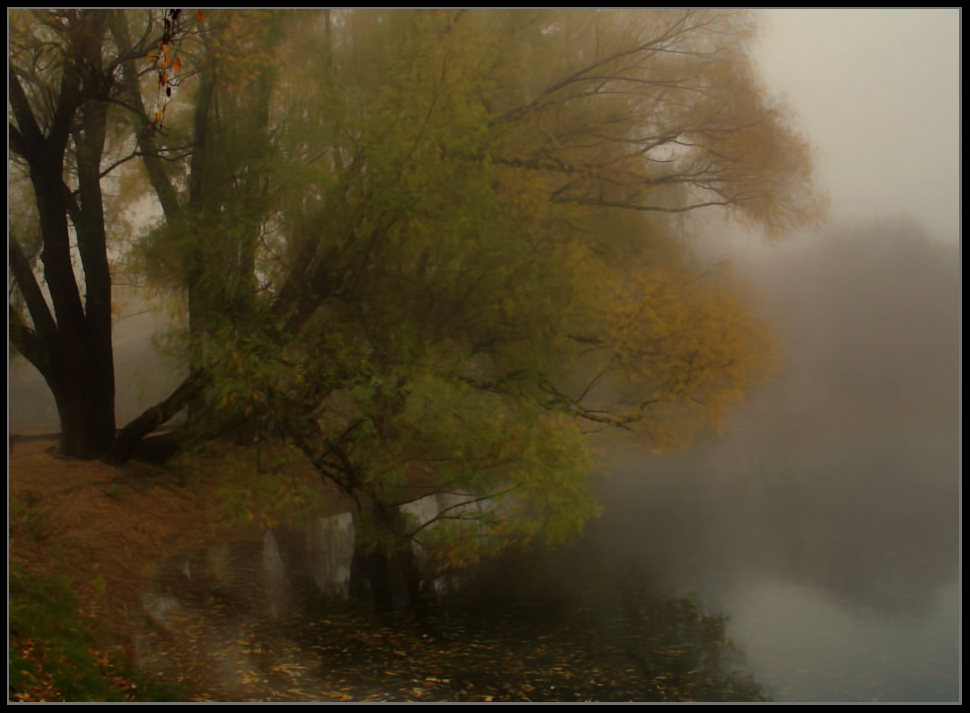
443, 514
676, 29
142, 154
643, 208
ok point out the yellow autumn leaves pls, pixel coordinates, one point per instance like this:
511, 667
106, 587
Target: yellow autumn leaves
679, 349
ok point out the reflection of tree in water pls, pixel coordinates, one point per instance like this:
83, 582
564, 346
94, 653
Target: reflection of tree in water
535, 626
870, 518
686, 654
595, 636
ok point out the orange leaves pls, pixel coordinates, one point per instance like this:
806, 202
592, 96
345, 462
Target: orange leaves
240, 42
168, 63
682, 348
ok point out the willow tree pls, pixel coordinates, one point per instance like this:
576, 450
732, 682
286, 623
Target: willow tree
649, 111
211, 199
433, 245
466, 263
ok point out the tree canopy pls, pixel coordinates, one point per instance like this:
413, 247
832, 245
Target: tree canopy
435, 247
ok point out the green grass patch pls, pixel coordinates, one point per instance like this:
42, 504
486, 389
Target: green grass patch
54, 657
30, 516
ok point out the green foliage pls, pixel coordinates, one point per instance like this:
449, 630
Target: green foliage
431, 245
515, 472
256, 485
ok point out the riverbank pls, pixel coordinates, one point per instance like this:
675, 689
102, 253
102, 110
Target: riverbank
93, 536
169, 574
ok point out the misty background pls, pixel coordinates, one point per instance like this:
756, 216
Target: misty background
825, 518
877, 91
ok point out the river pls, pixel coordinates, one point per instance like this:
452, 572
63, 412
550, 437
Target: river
833, 550
788, 561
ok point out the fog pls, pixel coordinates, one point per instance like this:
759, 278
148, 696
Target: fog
144, 373
835, 488
855, 443
878, 92
825, 519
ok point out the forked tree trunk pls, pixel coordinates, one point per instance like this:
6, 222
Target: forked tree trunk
69, 340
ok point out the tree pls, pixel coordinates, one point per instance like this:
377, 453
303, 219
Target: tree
60, 85
458, 226
76, 86
678, 122
431, 287
435, 242
211, 222
636, 102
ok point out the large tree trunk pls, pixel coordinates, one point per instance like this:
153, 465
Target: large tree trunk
98, 388
71, 345
385, 569
87, 427
77, 362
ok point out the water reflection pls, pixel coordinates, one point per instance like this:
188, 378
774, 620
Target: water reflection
833, 551
877, 522
274, 575
815, 649
832, 561
833, 567
265, 620
330, 547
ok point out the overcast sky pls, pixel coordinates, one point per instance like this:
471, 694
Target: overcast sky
878, 93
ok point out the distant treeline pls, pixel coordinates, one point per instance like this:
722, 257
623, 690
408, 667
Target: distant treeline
870, 314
